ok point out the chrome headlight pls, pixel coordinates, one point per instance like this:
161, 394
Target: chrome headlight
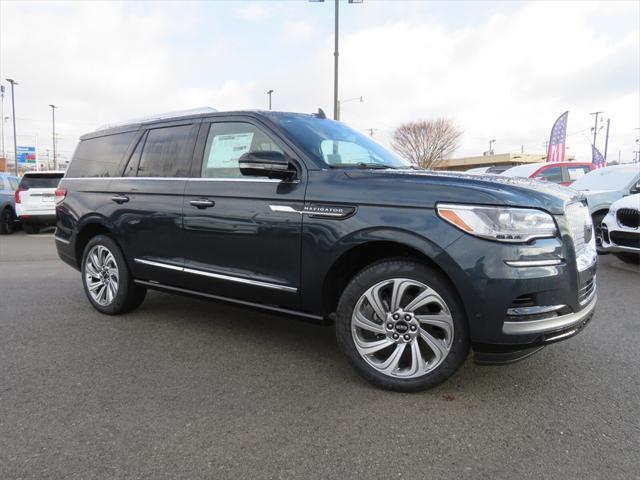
503, 224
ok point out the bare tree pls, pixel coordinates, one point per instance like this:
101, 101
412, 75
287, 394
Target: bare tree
425, 142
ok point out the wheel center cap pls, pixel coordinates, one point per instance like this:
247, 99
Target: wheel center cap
402, 327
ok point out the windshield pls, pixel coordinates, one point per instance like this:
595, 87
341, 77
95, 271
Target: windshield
608, 178
335, 144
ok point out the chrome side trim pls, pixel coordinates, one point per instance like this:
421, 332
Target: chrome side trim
61, 240
218, 276
240, 280
549, 324
196, 179
270, 308
533, 263
283, 209
159, 264
289, 209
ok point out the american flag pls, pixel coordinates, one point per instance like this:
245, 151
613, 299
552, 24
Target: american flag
596, 158
557, 141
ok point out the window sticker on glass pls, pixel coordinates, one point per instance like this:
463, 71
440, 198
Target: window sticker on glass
227, 149
575, 173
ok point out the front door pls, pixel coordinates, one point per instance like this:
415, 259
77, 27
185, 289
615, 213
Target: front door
238, 240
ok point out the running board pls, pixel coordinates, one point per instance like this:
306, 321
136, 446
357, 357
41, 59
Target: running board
284, 311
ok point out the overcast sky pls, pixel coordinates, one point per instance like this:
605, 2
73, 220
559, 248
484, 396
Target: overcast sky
502, 70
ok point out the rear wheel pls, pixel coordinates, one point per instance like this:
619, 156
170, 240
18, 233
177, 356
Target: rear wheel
401, 326
31, 228
7, 221
105, 275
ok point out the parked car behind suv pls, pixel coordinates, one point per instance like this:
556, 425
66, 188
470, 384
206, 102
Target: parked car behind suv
8, 185
35, 200
621, 229
604, 186
301, 215
564, 173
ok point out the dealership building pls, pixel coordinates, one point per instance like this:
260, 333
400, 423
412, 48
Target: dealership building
499, 159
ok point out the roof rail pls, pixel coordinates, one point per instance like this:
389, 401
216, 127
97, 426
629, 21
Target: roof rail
161, 116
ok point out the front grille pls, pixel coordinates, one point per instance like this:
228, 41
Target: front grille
628, 217
625, 239
587, 290
581, 231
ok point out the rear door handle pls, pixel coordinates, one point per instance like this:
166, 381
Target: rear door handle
202, 203
120, 199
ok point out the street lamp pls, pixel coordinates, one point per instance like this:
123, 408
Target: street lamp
336, 54
13, 107
340, 102
491, 142
269, 92
53, 114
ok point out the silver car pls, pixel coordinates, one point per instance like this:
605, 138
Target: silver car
604, 186
8, 186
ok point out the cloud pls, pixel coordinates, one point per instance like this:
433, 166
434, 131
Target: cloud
506, 74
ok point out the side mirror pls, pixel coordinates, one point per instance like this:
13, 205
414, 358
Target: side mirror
636, 187
269, 164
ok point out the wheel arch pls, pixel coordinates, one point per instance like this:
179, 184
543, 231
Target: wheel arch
89, 228
376, 248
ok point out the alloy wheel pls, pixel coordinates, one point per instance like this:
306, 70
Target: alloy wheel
402, 328
101, 275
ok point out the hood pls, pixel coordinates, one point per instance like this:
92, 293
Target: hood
630, 201
427, 187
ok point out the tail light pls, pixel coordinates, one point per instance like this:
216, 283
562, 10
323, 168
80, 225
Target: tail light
60, 194
18, 191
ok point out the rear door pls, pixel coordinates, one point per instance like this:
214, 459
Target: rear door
242, 234
550, 174
146, 207
38, 192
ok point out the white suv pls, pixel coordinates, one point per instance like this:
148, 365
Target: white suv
36, 200
621, 229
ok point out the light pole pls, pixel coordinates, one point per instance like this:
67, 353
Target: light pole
595, 127
269, 92
491, 142
336, 53
340, 102
53, 115
13, 108
2, 117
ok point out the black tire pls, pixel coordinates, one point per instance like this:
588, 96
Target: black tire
129, 295
31, 228
7, 221
597, 228
627, 257
414, 271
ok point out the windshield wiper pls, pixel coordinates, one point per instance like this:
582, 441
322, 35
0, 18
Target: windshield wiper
362, 165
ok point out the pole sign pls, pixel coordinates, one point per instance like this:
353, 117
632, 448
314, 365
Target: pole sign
26, 155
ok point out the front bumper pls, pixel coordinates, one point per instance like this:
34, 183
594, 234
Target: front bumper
617, 239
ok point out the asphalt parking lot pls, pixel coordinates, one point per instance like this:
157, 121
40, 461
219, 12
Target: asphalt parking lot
183, 388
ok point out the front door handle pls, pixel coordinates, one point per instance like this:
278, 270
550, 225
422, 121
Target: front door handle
202, 203
119, 199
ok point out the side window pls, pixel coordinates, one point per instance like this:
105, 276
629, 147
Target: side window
13, 183
577, 172
132, 166
227, 142
100, 156
552, 174
166, 152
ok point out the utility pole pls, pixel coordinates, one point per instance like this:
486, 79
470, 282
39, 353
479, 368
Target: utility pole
2, 117
53, 113
372, 131
13, 108
491, 142
606, 139
269, 92
595, 127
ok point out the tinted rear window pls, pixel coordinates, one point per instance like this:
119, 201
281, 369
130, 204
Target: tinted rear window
100, 157
43, 180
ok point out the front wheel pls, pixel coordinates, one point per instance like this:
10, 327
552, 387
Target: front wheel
105, 275
597, 226
401, 326
31, 228
7, 221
